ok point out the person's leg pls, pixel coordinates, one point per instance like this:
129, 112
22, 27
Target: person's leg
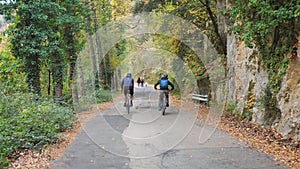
125, 95
167, 96
124, 99
161, 95
131, 96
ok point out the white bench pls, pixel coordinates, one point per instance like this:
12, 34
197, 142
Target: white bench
200, 98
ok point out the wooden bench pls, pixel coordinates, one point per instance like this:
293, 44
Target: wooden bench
198, 98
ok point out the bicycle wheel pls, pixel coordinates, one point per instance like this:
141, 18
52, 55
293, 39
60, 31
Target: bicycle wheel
128, 105
164, 105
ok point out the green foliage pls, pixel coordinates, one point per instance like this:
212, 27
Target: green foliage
201, 13
176, 92
29, 36
49, 37
30, 122
11, 78
103, 96
231, 108
271, 27
255, 21
277, 70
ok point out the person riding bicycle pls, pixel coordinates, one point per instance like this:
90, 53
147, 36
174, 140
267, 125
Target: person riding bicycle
128, 83
164, 84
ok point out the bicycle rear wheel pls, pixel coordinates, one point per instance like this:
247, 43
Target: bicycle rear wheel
128, 104
164, 105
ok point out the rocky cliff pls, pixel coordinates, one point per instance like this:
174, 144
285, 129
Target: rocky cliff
247, 83
289, 99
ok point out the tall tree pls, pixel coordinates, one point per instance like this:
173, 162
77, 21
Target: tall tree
56, 52
44, 31
92, 53
99, 16
29, 36
73, 22
80, 77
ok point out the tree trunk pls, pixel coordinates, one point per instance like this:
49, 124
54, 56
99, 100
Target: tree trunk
101, 63
49, 82
72, 83
221, 43
116, 81
33, 74
101, 74
75, 93
92, 54
107, 72
80, 77
57, 77
221, 6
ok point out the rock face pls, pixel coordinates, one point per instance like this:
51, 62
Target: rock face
289, 100
247, 82
246, 79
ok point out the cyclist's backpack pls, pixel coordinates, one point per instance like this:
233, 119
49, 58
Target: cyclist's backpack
127, 81
163, 83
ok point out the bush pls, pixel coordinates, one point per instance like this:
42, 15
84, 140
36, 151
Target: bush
103, 96
30, 123
231, 108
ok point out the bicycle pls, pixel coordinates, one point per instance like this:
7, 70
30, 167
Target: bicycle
128, 101
164, 102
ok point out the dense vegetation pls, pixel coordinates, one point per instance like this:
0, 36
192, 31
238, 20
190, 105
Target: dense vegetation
38, 55
30, 122
52, 63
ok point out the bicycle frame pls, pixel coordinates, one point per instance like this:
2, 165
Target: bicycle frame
128, 103
164, 101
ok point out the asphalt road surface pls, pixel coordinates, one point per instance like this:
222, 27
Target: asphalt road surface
144, 139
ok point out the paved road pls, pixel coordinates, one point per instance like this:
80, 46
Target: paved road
144, 139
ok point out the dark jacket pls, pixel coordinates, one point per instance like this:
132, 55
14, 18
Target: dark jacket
162, 88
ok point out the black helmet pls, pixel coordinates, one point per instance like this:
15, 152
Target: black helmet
128, 74
165, 76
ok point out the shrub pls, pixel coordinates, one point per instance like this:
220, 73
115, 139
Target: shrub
103, 96
29, 122
231, 108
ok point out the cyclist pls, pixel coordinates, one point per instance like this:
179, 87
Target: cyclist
128, 83
163, 83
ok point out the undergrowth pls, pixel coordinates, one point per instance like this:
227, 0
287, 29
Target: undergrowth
29, 122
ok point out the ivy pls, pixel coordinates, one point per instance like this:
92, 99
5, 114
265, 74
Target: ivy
270, 27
